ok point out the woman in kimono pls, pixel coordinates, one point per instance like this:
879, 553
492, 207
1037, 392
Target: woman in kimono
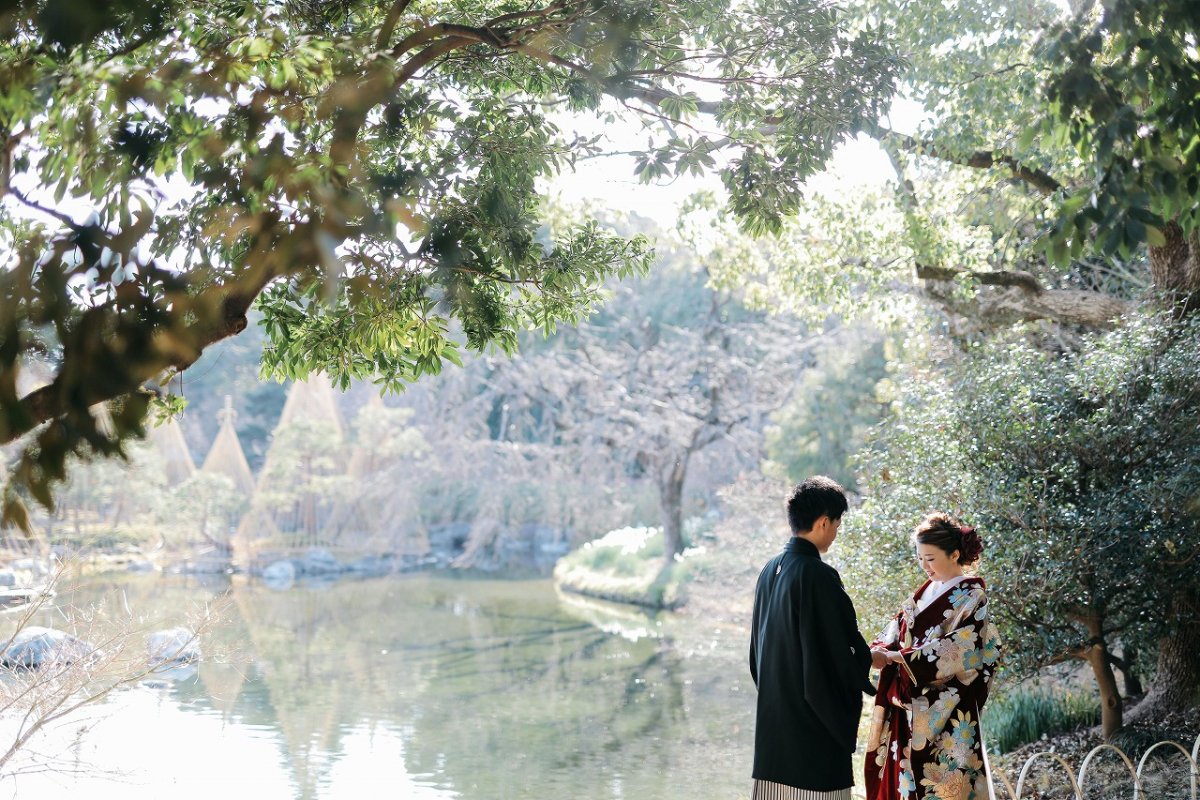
942, 652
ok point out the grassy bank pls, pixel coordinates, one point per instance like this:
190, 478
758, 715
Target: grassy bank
626, 566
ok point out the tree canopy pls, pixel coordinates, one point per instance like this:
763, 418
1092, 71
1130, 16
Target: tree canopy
368, 172
1050, 172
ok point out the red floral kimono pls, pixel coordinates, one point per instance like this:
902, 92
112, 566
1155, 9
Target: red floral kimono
924, 742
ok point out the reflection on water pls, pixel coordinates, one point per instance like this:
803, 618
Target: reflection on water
421, 687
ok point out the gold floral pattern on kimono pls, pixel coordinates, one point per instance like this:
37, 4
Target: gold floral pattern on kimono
925, 727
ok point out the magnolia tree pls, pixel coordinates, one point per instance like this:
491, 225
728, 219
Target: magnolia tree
367, 171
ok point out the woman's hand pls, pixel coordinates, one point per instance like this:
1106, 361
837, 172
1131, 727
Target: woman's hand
879, 658
894, 656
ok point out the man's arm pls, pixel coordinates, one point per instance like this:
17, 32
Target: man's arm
836, 658
861, 658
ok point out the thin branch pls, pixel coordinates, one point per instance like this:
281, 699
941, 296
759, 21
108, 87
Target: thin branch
516, 15
669, 121
447, 37
975, 76
615, 87
980, 159
58, 215
133, 45
443, 30
440, 48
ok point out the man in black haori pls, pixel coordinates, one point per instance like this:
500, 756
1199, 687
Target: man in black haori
807, 658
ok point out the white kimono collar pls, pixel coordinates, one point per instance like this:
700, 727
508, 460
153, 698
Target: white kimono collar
936, 589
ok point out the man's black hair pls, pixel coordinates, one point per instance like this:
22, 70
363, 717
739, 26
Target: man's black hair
816, 497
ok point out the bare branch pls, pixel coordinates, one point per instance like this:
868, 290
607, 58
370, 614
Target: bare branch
1021, 297
50, 212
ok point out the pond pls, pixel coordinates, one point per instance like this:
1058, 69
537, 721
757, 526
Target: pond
414, 686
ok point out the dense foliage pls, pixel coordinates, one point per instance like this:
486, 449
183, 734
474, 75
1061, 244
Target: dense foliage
1124, 90
1045, 170
830, 410
370, 168
1080, 471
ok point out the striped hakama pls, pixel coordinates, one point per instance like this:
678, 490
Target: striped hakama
769, 790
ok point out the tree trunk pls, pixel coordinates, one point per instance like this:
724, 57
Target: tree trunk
670, 495
1111, 706
1175, 268
1133, 682
1176, 684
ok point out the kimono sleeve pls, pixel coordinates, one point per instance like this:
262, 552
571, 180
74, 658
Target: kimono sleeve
889, 639
756, 617
963, 645
836, 658
754, 636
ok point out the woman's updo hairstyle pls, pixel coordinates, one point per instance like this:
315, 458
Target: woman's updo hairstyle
945, 532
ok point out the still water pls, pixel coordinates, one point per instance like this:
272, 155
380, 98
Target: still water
417, 687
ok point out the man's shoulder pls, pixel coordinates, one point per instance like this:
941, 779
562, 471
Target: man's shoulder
824, 575
802, 565
770, 566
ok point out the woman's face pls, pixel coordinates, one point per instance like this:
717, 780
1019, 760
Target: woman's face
936, 563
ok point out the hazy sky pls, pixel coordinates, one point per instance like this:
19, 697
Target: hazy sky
610, 180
